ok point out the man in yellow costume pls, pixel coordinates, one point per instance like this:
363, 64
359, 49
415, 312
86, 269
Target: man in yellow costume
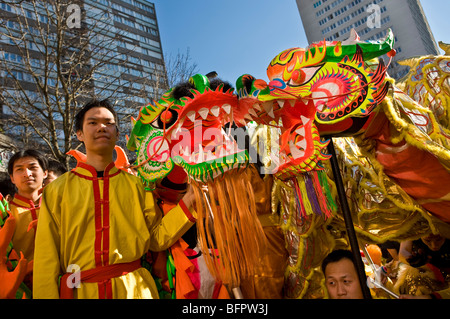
27, 170
100, 220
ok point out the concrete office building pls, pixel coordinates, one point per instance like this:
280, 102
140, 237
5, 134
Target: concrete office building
332, 20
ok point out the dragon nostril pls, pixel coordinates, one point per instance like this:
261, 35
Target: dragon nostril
260, 84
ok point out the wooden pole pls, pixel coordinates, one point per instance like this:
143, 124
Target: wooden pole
348, 222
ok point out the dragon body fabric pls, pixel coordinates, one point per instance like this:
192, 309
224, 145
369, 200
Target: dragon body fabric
185, 130
393, 148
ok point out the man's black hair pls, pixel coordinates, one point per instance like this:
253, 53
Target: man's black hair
79, 117
42, 160
336, 256
57, 167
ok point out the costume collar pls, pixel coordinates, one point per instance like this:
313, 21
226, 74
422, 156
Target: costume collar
24, 202
87, 171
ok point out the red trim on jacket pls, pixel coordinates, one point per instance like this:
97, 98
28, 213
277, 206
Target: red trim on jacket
186, 211
101, 217
31, 206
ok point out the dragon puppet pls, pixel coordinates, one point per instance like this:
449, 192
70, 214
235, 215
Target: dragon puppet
394, 152
183, 139
428, 83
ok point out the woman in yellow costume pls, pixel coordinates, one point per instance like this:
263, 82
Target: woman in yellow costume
99, 220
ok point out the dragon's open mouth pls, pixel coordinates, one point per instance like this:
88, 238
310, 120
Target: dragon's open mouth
200, 144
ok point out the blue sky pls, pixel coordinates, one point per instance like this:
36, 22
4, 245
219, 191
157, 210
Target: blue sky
236, 37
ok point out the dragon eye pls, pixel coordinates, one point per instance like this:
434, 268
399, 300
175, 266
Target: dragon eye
303, 75
166, 116
298, 76
166, 119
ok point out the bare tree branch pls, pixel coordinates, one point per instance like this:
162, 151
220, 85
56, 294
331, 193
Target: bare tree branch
180, 68
49, 69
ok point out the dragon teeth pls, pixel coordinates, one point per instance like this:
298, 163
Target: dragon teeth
200, 153
257, 107
281, 103
296, 153
271, 113
304, 119
215, 110
302, 144
203, 112
191, 115
300, 131
268, 107
178, 128
226, 108
253, 113
209, 156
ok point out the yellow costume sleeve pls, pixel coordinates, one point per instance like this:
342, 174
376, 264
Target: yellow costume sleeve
46, 267
165, 231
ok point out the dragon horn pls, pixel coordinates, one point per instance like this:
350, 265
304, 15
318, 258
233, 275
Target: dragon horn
373, 49
122, 159
445, 47
370, 49
411, 62
352, 39
80, 157
200, 82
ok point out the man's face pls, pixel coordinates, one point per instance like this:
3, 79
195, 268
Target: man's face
27, 174
434, 242
342, 280
50, 177
99, 132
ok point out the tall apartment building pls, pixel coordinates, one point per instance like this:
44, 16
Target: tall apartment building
137, 48
122, 54
332, 20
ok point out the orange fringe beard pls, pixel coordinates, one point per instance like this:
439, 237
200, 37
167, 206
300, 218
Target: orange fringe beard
229, 233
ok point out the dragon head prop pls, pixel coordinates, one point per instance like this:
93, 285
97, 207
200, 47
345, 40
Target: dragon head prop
321, 89
186, 128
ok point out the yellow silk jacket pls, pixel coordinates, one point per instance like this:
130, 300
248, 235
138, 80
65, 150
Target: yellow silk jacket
24, 211
88, 222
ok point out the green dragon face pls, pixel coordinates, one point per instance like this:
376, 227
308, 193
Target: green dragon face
324, 85
148, 141
188, 132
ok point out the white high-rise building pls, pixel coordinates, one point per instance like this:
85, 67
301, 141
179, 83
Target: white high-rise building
332, 20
